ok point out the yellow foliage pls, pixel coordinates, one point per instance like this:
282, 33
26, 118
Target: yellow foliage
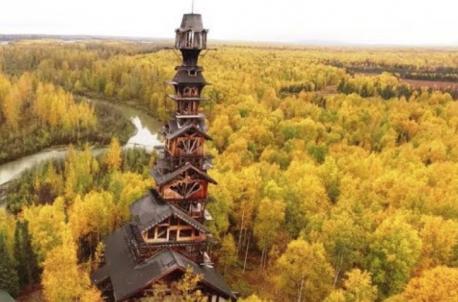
439, 284
45, 225
113, 156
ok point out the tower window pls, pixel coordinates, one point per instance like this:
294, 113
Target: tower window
162, 232
150, 233
185, 233
192, 73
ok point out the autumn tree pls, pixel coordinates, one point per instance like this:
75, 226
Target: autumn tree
252, 298
439, 237
296, 279
269, 219
45, 225
439, 284
91, 217
184, 290
357, 287
113, 156
80, 167
227, 252
62, 279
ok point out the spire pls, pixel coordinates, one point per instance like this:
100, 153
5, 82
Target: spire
192, 8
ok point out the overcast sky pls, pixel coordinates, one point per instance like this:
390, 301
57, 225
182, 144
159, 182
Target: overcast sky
407, 22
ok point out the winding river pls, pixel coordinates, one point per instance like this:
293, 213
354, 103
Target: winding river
146, 136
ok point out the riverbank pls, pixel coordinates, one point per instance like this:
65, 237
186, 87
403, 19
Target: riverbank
32, 139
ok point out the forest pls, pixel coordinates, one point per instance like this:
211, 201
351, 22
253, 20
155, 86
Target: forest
336, 177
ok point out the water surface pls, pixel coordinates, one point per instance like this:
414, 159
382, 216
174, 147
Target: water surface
146, 136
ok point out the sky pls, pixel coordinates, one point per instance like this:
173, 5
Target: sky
387, 22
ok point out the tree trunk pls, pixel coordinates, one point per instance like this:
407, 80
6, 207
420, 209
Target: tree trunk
338, 269
246, 253
240, 232
299, 297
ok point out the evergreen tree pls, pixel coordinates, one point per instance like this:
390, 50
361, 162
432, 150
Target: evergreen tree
8, 275
27, 265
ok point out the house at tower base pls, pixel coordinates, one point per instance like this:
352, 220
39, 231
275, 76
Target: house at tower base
125, 276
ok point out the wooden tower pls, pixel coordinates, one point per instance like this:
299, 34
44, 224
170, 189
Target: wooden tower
167, 233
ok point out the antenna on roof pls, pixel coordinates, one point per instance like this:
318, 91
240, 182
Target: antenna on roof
192, 8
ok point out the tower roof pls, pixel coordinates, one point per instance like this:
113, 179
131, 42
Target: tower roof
162, 179
191, 22
182, 130
150, 210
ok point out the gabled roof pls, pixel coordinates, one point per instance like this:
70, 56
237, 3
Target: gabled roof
151, 210
162, 179
129, 278
179, 131
176, 124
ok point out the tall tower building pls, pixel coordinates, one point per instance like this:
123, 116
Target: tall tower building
167, 233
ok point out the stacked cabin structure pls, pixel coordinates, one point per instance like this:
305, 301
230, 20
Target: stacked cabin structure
167, 233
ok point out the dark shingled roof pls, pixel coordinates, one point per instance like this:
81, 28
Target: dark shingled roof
151, 210
173, 133
5, 297
162, 179
192, 22
182, 77
129, 278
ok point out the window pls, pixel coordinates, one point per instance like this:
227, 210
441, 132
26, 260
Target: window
192, 73
150, 233
190, 92
187, 91
162, 232
185, 233
196, 233
173, 235
189, 39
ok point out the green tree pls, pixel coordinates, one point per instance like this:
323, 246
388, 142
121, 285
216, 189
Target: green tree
26, 259
393, 254
8, 276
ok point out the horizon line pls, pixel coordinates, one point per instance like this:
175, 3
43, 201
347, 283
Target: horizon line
312, 42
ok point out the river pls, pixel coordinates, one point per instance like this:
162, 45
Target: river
146, 136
